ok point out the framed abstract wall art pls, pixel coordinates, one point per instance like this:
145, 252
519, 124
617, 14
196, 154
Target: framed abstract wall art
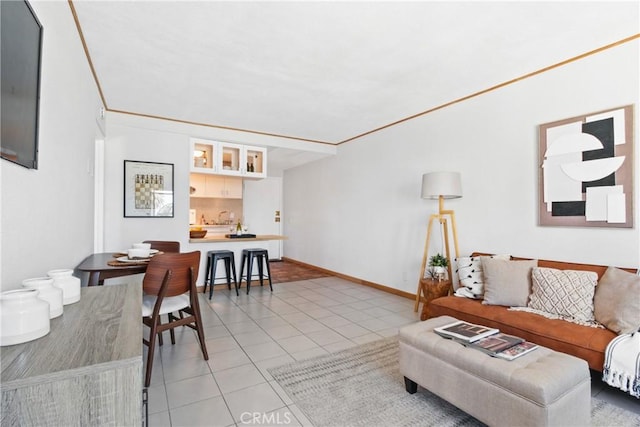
148, 189
586, 170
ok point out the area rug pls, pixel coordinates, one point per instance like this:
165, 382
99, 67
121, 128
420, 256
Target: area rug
285, 271
362, 386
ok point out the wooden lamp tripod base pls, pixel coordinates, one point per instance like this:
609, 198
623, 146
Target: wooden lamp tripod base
442, 217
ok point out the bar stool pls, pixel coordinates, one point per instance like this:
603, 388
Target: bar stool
229, 265
261, 255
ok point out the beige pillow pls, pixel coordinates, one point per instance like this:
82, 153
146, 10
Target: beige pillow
507, 282
565, 293
617, 301
470, 274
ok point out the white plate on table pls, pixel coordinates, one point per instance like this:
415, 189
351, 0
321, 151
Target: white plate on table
126, 259
152, 252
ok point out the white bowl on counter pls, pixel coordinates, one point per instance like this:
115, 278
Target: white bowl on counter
24, 316
70, 285
48, 292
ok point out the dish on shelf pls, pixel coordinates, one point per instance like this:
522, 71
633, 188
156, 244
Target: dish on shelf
197, 234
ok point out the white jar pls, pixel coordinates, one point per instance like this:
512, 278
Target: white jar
24, 316
69, 284
48, 292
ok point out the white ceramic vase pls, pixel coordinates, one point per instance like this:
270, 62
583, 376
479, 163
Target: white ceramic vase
24, 316
48, 292
70, 285
439, 272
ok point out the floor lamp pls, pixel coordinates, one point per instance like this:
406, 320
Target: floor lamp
440, 185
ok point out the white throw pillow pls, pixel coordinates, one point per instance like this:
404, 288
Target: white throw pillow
565, 293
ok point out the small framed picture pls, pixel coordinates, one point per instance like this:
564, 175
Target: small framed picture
148, 189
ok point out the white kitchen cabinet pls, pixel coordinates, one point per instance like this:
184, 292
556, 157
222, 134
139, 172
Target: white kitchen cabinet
242, 160
203, 155
198, 185
256, 162
224, 187
228, 159
208, 185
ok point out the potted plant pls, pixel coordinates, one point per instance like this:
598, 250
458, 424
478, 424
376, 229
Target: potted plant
438, 264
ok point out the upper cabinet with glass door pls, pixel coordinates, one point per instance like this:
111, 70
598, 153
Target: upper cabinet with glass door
256, 161
230, 160
224, 158
203, 156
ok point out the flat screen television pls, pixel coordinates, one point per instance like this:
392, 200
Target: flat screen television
21, 47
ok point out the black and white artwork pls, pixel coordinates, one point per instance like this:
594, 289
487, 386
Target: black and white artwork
586, 168
148, 189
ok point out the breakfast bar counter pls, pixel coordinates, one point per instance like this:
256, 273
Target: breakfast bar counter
217, 238
214, 242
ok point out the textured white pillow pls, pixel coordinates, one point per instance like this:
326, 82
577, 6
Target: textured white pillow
470, 273
565, 293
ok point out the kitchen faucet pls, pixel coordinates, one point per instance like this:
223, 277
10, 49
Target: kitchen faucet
220, 215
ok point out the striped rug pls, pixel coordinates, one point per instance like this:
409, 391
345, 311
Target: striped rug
362, 386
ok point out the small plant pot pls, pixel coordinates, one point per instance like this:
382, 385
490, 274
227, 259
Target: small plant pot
439, 272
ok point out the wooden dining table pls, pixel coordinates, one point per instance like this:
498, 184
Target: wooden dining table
98, 268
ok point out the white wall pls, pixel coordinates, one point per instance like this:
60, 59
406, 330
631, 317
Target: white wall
125, 143
47, 214
360, 213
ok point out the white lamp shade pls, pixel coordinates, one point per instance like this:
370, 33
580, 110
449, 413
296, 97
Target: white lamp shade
445, 184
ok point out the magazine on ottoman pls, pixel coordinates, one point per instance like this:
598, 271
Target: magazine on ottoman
488, 340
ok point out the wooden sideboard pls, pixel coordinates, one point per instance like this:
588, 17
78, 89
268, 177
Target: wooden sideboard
86, 371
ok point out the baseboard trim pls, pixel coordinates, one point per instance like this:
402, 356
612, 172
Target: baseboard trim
354, 279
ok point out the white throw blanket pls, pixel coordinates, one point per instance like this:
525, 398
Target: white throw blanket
622, 363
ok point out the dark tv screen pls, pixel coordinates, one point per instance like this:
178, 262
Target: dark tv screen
21, 46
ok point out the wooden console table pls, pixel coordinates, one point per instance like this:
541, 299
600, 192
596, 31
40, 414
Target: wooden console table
86, 372
432, 289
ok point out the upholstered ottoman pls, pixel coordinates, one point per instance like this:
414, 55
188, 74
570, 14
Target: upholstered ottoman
541, 388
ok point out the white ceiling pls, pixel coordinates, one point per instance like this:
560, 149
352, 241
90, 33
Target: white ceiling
328, 71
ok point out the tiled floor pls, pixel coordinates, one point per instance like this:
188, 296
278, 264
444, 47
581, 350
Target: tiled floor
248, 334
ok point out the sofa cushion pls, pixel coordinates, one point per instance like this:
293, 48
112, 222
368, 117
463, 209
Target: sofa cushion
581, 341
617, 301
507, 282
565, 293
470, 274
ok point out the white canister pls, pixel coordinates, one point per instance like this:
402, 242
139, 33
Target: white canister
48, 292
69, 284
24, 316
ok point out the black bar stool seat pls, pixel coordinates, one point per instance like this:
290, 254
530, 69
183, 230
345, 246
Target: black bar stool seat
262, 257
229, 265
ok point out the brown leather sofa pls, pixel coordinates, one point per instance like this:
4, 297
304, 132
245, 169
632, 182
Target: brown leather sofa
581, 341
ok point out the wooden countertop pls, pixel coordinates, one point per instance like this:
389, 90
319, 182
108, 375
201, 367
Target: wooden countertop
103, 327
218, 238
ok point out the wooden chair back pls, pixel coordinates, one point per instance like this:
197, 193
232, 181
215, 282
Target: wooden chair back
164, 245
183, 273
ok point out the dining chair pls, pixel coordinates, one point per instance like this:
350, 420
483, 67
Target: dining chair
164, 245
169, 286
